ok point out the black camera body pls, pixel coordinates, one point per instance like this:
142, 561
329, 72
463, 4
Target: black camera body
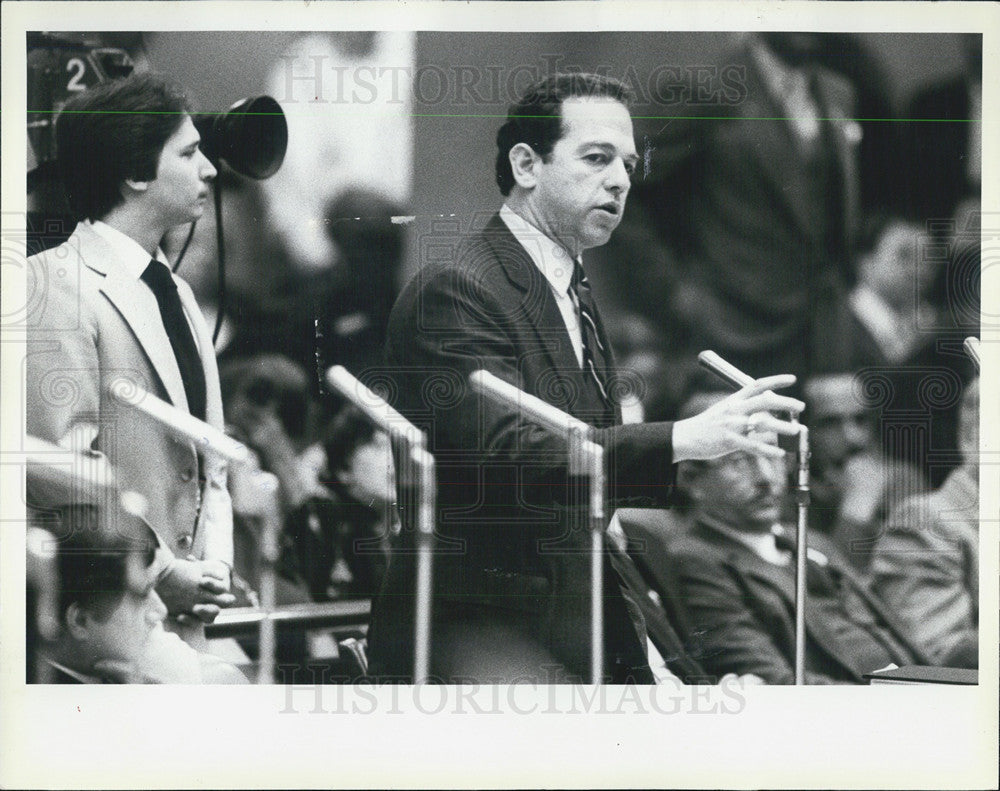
58, 68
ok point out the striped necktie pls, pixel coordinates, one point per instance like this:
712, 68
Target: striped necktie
594, 354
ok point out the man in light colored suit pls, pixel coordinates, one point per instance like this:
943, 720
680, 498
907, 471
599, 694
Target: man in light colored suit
926, 563
109, 307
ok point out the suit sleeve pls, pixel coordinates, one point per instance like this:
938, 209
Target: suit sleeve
451, 326
920, 574
728, 635
62, 366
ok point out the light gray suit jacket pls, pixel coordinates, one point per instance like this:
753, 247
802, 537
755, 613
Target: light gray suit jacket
92, 323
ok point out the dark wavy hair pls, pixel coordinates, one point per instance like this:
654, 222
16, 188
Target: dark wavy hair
536, 119
115, 131
92, 547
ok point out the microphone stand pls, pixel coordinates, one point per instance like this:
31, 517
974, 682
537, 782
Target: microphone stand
416, 471
586, 463
737, 379
209, 440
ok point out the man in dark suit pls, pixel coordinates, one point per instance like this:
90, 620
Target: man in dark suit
735, 572
742, 234
511, 579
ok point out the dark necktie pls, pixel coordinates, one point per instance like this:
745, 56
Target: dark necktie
157, 276
595, 356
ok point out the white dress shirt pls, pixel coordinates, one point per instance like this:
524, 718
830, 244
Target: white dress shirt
131, 255
556, 264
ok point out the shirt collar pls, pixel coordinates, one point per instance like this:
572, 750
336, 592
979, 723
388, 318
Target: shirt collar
551, 258
962, 488
133, 258
761, 544
83, 678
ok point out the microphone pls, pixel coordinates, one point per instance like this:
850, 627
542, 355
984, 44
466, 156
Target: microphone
416, 467
737, 379
375, 407
971, 346
502, 392
726, 371
178, 422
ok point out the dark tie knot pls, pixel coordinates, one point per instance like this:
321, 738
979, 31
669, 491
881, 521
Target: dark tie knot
157, 276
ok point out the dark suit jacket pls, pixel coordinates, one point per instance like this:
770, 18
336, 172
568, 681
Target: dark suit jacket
743, 612
936, 150
507, 538
654, 595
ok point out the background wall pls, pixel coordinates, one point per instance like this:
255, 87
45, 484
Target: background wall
454, 127
454, 155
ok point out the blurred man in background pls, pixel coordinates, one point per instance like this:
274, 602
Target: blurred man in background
741, 237
853, 484
926, 565
110, 616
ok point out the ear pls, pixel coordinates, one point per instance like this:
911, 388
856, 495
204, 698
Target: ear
132, 185
77, 621
524, 163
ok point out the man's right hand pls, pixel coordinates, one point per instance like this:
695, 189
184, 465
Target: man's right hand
741, 421
190, 587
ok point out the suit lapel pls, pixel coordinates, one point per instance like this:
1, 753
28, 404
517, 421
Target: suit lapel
748, 564
542, 315
138, 307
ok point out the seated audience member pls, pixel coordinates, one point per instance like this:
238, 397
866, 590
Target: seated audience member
268, 407
351, 307
926, 565
852, 483
362, 477
903, 346
335, 537
110, 616
735, 569
890, 298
